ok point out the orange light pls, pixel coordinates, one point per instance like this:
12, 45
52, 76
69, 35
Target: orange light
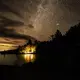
28, 53
29, 49
29, 57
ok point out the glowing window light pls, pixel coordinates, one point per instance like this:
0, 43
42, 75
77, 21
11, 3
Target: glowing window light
29, 49
28, 53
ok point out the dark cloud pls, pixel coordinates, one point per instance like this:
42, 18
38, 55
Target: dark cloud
6, 8
30, 26
20, 6
5, 32
4, 22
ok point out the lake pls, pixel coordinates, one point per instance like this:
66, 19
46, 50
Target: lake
12, 59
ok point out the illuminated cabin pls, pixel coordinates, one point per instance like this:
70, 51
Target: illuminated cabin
28, 49
28, 53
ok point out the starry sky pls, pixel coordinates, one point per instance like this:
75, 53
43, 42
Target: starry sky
23, 19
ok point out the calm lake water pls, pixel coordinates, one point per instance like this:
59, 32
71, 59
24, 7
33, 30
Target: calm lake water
12, 59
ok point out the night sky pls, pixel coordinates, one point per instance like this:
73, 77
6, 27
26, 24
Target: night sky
39, 19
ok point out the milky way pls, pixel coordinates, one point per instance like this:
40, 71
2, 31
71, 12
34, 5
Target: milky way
40, 18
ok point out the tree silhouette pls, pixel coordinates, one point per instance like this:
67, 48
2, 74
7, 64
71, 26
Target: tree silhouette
73, 35
58, 34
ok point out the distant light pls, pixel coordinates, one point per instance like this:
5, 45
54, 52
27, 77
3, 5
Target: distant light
57, 24
29, 49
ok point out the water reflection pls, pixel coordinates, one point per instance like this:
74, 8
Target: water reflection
8, 59
12, 59
29, 57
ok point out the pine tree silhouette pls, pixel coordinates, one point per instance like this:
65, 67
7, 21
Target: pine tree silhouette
58, 34
73, 35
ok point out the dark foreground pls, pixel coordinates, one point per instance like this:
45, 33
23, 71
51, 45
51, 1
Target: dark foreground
31, 72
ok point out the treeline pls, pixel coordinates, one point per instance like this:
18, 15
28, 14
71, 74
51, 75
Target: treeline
61, 50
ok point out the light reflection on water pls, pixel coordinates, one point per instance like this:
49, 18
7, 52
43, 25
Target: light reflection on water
29, 57
12, 59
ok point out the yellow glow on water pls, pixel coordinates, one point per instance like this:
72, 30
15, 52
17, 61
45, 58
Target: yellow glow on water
29, 57
29, 51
